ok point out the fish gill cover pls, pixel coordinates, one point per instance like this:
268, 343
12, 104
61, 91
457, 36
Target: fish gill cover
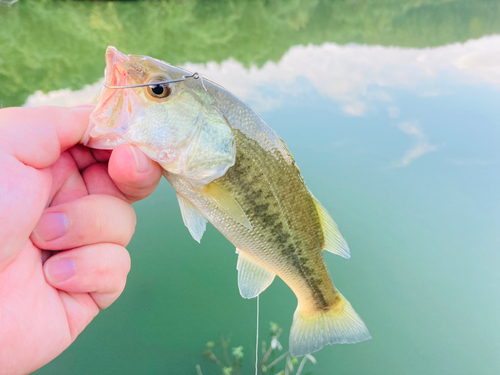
63, 45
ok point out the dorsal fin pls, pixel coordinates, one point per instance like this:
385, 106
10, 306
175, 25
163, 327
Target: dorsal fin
192, 218
226, 203
334, 241
253, 279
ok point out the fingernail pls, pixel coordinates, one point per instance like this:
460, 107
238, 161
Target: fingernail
51, 226
60, 270
142, 163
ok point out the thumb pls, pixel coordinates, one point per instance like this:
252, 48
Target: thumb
37, 136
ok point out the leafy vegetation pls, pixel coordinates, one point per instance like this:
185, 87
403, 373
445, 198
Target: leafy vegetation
48, 45
270, 357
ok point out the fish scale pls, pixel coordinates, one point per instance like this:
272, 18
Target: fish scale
285, 217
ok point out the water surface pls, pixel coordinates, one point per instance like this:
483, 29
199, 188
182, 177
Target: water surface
391, 112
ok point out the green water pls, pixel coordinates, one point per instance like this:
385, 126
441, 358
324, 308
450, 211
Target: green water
390, 109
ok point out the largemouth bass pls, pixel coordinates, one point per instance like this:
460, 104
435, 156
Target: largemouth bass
230, 168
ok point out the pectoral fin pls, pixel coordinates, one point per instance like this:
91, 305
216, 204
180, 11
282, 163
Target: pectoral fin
226, 203
192, 218
334, 241
252, 277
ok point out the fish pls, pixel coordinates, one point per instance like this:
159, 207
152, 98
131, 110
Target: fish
230, 168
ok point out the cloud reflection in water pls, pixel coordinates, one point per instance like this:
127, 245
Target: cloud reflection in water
352, 75
357, 77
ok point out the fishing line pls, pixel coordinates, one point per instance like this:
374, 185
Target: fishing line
257, 341
201, 80
155, 83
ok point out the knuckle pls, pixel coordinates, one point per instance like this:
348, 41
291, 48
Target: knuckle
99, 221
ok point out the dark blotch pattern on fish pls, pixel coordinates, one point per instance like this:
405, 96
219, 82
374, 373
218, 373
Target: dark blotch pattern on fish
282, 212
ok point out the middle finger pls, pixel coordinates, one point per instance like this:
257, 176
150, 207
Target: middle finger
91, 219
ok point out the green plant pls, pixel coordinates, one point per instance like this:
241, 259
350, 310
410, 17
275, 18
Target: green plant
270, 357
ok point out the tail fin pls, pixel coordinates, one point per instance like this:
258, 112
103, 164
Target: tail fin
339, 325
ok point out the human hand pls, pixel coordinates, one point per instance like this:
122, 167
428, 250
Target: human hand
65, 219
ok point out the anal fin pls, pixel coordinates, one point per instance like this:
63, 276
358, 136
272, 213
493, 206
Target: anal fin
192, 218
253, 279
226, 203
334, 241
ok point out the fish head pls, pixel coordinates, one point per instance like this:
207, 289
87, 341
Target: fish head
177, 124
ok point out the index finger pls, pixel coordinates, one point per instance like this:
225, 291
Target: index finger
37, 136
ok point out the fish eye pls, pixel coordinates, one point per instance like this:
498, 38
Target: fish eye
160, 91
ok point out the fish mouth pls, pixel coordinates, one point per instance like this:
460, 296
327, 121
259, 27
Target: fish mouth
112, 112
115, 73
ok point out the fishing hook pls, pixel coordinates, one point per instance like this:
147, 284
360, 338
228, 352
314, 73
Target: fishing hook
194, 75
